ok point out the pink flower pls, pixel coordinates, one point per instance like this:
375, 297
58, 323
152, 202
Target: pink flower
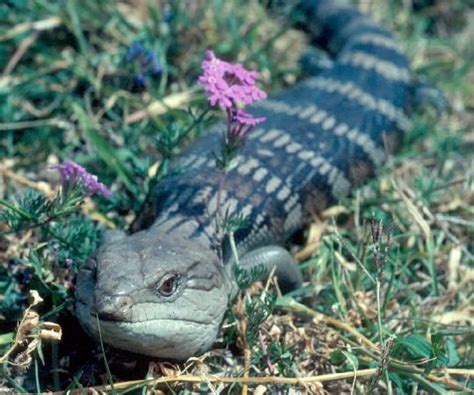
245, 118
70, 173
229, 85
241, 124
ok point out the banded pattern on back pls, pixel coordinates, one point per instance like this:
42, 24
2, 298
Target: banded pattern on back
323, 137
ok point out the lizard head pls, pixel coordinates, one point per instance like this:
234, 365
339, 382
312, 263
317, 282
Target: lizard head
153, 294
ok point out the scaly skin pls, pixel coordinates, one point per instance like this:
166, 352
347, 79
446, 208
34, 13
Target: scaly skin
163, 291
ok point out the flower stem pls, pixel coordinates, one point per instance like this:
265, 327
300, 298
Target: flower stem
17, 210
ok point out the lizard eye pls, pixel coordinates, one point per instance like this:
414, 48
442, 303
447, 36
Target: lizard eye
168, 284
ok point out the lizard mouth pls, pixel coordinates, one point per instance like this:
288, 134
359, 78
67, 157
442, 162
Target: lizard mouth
111, 321
175, 339
114, 321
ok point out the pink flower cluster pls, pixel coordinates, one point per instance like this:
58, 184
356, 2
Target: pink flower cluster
232, 87
71, 172
229, 85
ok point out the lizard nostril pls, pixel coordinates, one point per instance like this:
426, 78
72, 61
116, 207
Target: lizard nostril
123, 302
112, 308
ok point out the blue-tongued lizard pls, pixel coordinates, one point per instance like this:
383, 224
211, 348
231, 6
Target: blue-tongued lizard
163, 291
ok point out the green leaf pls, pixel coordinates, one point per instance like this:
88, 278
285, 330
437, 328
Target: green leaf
437, 351
397, 380
339, 357
444, 348
453, 357
6, 338
416, 346
286, 301
352, 360
39, 351
103, 148
36, 264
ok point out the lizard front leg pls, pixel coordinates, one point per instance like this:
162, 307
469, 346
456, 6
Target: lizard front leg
269, 257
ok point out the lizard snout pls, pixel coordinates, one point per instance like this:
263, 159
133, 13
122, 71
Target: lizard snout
112, 308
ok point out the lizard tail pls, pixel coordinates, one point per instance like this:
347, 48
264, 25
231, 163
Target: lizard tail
370, 67
337, 25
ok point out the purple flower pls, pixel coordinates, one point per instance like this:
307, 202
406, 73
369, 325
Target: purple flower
139, 80
144, 62
71, 173
245, 118
135, 50
229, 85
241, 124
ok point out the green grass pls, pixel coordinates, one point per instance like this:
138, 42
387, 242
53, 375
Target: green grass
399, 302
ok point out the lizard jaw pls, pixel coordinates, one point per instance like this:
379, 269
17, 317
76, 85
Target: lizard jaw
163, 338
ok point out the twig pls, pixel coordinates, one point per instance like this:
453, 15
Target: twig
229, 380
247, 354
106, 362
457, 372
44, 24
39, 186
454, 220
36, 123
416, 373
233, 247
426, 383
22, 48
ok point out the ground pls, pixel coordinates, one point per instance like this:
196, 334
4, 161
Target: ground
387, 302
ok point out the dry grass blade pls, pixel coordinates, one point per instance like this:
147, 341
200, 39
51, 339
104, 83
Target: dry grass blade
231, 380
45, 24
175, 100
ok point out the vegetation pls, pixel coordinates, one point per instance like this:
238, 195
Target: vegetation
387, 303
